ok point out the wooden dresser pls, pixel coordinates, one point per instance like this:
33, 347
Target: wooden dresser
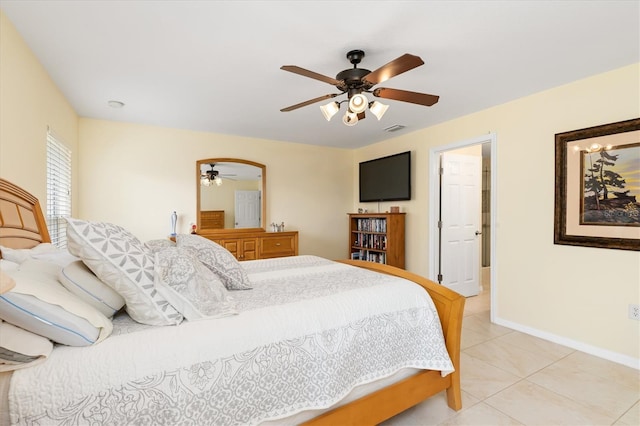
256, 245
212, 219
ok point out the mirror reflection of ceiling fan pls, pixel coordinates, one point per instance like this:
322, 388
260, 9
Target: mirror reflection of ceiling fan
209, 177
356, 81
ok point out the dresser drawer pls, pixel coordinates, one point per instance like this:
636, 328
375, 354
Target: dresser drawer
278, 245
212, 219
257, 245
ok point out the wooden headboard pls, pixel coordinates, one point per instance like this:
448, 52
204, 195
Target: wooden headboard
22, 224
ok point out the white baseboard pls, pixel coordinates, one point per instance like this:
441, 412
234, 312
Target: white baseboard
574, 344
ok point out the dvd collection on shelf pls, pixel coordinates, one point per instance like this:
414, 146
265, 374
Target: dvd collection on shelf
371, 241
377, 237
369, 256
367, 242
372, 225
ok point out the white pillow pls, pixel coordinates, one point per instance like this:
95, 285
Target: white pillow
122, 262
15, 255
20, 348
40, 304
218, 259
79, 280
43, 251
8, 265
6, 282
191, 288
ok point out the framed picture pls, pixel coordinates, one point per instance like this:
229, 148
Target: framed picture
597, 198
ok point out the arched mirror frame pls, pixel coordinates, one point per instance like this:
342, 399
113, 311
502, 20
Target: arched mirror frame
263, 219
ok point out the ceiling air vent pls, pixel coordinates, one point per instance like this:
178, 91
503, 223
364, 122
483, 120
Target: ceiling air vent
394, 128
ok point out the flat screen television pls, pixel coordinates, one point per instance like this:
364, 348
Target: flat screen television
386, 178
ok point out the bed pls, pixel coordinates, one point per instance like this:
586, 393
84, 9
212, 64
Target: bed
308, 352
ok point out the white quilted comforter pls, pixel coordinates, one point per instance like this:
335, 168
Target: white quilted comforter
306, 335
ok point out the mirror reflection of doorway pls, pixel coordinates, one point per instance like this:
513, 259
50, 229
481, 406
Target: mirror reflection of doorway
247, 209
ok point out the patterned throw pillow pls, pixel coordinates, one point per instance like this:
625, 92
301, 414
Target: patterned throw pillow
195, 291
218, 259
159, 244
122, 262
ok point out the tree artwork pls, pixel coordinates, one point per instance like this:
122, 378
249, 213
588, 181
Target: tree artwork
611, 183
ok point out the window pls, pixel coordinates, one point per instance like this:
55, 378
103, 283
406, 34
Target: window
58, 190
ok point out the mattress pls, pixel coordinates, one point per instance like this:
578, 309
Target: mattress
307, 335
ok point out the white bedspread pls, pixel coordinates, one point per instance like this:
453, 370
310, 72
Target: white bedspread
307, 334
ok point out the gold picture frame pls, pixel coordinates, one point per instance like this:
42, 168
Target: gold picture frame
597, 194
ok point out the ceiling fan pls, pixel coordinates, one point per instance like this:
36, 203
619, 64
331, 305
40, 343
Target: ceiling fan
355, 81
209, 177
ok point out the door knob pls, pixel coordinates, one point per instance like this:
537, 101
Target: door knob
478, 233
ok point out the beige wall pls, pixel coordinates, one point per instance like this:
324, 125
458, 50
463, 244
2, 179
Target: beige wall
136, 175
29, 104
578, 294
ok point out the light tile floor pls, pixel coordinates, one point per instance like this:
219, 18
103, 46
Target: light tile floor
511, 378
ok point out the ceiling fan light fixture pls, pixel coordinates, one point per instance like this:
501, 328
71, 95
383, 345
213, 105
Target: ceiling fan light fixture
358, 103
218, 180
330, 109
350, 118
378, 109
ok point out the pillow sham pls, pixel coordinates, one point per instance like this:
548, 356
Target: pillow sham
20, 348
79, 280
40, 304
159, 244
122, 262
218, 259
195, 291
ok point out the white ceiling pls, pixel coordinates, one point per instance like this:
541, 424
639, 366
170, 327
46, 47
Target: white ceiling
214, 66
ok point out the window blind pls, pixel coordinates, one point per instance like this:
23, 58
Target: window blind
58, 190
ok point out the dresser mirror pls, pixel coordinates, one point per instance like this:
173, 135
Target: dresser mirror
231, 195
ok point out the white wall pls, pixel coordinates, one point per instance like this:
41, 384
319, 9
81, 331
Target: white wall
136, 175
577, 294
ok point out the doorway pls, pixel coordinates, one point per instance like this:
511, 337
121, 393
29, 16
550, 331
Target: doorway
454, 258
247, 209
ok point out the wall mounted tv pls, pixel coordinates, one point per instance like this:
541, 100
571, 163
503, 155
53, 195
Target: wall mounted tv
386, 178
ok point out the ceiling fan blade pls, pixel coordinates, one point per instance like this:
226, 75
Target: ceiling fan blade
306, 73
406, 96
309, 102
399, 65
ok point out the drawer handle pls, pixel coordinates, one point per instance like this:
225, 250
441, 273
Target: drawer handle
278, 244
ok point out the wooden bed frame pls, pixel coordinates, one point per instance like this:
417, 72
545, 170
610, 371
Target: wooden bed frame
22, 225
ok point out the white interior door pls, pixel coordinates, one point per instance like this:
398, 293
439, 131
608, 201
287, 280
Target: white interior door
247, 206
461, 214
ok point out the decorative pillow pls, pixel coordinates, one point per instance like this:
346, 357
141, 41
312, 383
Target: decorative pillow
122, 262
156, 245
218, 259
40, 304
189, 286
79, 280
20, 349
